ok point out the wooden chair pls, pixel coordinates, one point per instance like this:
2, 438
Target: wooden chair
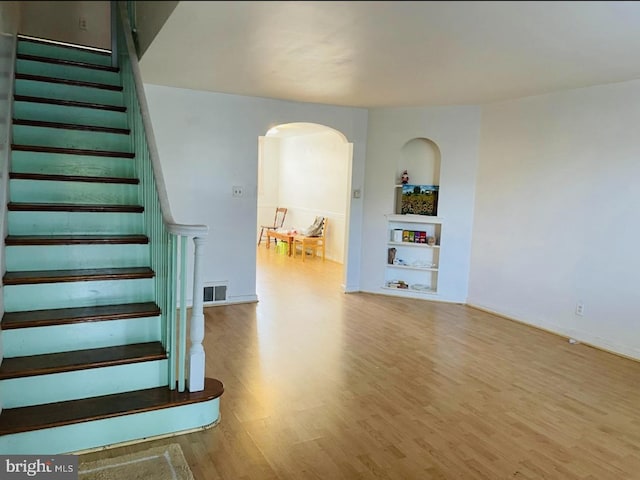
314, 243
278, 221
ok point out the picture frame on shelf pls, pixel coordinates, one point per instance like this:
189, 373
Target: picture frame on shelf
419, 200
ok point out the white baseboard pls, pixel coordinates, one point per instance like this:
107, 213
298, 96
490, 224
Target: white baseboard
242, 299
412, 296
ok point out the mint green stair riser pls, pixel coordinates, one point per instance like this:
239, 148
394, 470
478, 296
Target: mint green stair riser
96, 434
53, 51
67, 257
59, 387
39, 191
64, 138
46, 69
44, 296
60, 338
68, 114
67, 92
64, 164
78, 223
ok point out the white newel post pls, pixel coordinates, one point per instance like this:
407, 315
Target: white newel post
196, 351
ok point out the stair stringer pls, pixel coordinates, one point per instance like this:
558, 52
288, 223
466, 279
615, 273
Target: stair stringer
8, 46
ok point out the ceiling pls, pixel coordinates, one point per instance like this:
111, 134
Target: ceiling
385, 53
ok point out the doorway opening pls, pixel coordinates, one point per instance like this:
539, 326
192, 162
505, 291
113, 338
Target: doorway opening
305, 168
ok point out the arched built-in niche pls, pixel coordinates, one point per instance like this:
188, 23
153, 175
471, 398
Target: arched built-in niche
420, 157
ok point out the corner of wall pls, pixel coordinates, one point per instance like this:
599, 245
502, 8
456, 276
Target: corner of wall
10, 17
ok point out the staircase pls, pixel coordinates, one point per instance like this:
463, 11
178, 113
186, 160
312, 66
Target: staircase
87, 353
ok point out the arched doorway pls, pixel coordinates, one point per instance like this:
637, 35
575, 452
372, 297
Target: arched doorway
306, 167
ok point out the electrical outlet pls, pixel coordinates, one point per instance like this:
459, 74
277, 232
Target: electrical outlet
82, 23
580, 309
237, 191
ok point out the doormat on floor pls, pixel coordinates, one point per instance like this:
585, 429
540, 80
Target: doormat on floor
158, 463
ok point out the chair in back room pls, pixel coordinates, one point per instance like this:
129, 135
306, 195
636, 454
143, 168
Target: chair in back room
278, 221
312, 242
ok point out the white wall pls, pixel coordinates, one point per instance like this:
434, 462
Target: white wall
268, 180
313, 182
455, 130
208, 142
556, 219
60, 21
10, 17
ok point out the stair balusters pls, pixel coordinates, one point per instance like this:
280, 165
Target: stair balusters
164, 233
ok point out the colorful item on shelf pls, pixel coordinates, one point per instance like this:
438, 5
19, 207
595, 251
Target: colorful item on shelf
419, 200
411, 236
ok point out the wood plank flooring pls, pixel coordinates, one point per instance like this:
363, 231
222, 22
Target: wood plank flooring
325, 385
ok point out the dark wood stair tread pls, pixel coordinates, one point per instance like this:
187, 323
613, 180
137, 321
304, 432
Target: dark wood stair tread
71, 151
69, 103
29, 240
81, 275
54, 43
67, 316
68, 63
72, 207
18, 367
72, 178
25, 419
66, 81
71, 126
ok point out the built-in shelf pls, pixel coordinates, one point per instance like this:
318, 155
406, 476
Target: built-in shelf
411, 290
413, 263
413, 267
408, 218
412, 244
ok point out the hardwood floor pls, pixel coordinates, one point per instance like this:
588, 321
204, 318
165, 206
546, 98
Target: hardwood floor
325, 385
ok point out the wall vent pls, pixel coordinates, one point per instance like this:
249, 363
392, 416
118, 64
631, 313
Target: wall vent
215, 294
